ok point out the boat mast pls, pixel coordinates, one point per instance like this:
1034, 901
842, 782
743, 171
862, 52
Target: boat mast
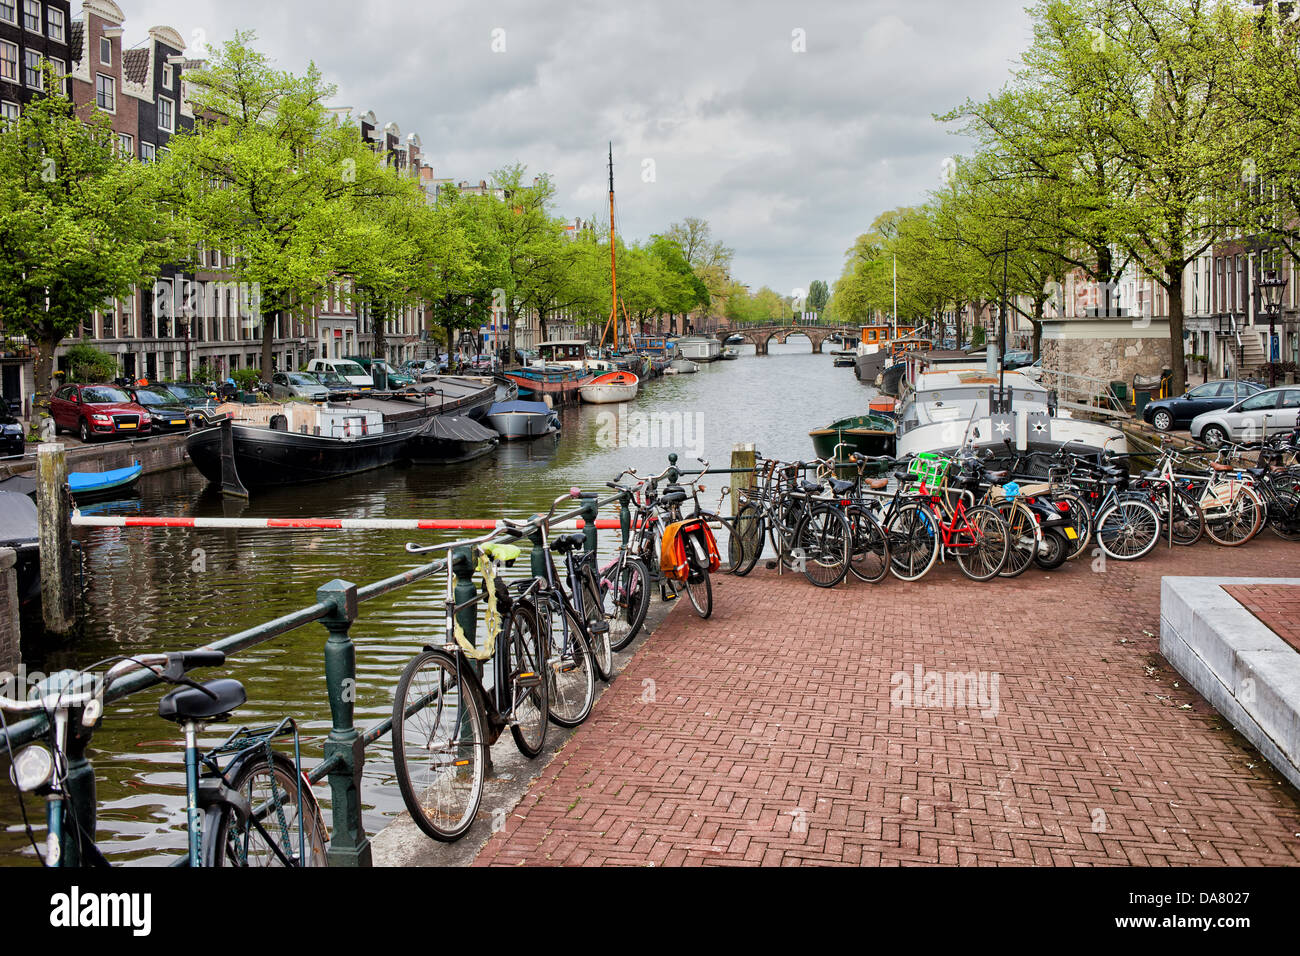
894, 334
613, 263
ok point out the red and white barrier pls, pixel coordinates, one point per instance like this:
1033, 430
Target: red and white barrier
321, 524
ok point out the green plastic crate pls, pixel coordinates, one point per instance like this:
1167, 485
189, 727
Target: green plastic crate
928, 469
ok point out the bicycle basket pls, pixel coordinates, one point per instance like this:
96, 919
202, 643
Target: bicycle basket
928, 469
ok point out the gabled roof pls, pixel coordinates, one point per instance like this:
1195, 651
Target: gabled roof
135, 65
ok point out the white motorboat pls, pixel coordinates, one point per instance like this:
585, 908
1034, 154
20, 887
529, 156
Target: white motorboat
681, 366
517, 419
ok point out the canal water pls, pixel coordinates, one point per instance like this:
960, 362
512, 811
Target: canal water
154, 589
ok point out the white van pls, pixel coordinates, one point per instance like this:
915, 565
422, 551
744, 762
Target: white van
351, 371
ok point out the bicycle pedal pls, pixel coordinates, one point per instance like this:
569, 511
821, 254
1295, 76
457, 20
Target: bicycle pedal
528, 679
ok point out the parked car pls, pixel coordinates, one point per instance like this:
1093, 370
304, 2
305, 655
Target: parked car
1033, 370
340, 389
396, 379
1017, 358
198, 401
11, 431
423, 370
1262, 415
298, 385
1177, 412
93, 411
355, 375
166, 412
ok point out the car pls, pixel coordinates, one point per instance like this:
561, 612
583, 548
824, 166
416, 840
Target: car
1176, 412
340, 389
1034, 370
1271, 412
12, 441
95, 411
396, 379
166, 412
298, 385
354, 374
1017, 358
198, 401
423, 370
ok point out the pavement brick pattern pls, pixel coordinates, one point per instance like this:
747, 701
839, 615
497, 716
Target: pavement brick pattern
1277, 605
778, 732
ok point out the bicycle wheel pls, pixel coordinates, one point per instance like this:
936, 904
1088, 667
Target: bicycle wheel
699, 587
1081, 518
602, 652
528, 697
913, 542
627, 599
439, 746
1188, 519
747, 536
1022, 536
1055, 551
1235, 518
570, 670
1128, 529
279, 832
784, 521
870, 560
982, 559
1283, 516
823, 545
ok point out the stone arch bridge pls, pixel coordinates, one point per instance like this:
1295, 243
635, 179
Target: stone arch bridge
760, 336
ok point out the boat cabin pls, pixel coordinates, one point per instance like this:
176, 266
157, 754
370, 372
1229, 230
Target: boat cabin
563, 352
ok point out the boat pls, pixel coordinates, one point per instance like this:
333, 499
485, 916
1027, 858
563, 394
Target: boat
699, 348
448, 439
730, 354
734, 339
571, 353
946, 404
273, 445
862, 434
98, 485
18, 530
611, 387
559, 381
844, 359
876, 348
519, 419
681, 366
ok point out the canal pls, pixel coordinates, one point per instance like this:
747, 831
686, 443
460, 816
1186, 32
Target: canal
154, 589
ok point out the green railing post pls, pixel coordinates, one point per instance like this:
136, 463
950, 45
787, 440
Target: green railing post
537, 557
590, 510
625, 517
349, 845
79, 794
674, 473
462, 566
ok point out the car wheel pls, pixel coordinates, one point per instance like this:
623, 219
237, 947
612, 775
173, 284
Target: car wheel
1162, 421
83, 432
1214, 435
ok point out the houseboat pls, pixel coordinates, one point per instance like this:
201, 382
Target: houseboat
699, 348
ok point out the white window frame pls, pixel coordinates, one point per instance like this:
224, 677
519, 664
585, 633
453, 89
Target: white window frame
40, 16
61, 25
61, 72
9, 111
17, 61
126, 145
171, 109
152, 154
40, 77
105, 42
110, 87
12, 5
167, 76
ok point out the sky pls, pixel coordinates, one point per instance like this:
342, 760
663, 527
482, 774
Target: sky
788, 126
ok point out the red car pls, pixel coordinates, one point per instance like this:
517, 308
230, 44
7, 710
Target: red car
94, 410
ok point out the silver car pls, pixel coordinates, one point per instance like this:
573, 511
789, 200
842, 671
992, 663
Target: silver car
1271, 412
298, 385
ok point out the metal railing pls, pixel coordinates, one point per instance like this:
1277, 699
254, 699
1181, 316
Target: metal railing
1096, 394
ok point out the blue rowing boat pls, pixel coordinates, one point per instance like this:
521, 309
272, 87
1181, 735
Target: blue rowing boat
88, 485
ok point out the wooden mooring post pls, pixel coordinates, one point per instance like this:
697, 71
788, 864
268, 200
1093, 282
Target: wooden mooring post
54, 530
10, 637
742, 456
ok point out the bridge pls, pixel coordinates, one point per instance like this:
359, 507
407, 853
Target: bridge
759, 336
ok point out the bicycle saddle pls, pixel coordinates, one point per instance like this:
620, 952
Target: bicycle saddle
877, 484
996, 477
903, 475
213, 700
812, 487
1220, 466
569, 542
840, 487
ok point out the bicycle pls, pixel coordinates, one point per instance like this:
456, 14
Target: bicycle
692, 567
257, 809
444, 719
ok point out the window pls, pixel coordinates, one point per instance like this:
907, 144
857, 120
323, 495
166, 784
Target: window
126, 145
9, 11
58, 26
167, 77
105, 93
106, 51
32, 70
165, 119
32, 16
60, 74
8, 111
1260, 401
8, 61
147, 152
1205, 391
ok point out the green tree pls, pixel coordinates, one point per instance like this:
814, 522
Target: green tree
78, 225
89, 364
818, 296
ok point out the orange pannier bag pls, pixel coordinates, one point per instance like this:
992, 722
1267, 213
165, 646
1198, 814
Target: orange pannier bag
672, 551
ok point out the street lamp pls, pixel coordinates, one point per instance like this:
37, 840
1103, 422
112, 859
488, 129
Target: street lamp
1271, 287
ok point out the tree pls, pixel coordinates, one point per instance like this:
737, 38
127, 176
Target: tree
709, 258
89, 364
818, 296
270, 174
79, 225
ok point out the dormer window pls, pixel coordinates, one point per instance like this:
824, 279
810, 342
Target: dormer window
167, 77
106, 51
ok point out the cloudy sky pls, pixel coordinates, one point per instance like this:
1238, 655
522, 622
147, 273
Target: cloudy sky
788, 126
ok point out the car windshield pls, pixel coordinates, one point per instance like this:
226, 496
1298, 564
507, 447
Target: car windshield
103, 395
298, 379
188, 392
145, 397
349, 368
330, 378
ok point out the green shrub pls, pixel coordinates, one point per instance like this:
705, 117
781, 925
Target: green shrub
246, 378
89, 364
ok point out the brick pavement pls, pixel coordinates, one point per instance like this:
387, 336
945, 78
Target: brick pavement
1277, 605
767, 735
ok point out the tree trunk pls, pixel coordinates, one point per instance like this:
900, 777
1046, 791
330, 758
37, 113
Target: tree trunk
1037, 322
541, 324
1176, 362
46, 343
268, 342
380, 318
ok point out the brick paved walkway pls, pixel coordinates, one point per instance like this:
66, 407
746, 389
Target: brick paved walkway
1276, 605
766, 735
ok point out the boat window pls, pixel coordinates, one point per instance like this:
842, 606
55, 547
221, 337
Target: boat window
349, 368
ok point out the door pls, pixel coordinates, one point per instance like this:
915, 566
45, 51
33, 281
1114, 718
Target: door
1282, 421
1250, 421
1202, 398
63, 407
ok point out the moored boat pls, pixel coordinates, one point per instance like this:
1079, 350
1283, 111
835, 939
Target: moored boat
730, 354
97, 485
681, 366
862, 434
522, 420
699, 348
610, 387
